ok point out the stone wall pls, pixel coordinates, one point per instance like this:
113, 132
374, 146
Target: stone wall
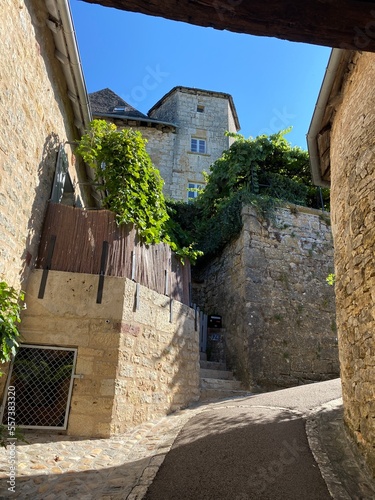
136, 364
36, 117
181, 108
160, 146
270, 287
353, 224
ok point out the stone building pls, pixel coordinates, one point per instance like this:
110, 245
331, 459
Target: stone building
160, 135
87, 365
342, 151
43, 109
185, 131
278, 312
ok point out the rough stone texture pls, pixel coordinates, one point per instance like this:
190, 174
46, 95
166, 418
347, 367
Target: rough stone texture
36, 116
353, 224
278, 311
160, 146
136, 365
181, 108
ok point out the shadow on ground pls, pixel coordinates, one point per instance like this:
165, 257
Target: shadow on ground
234, 453
238, 449
240, 454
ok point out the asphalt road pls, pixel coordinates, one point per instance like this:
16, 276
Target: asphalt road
252, 448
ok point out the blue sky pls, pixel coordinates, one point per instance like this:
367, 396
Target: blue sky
274, 83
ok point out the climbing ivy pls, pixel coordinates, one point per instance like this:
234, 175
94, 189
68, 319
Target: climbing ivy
266, 166
11, 304
132, 186
264, 172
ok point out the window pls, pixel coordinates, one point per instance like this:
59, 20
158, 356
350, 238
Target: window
198, 146
119, 109
42, 377
200, 108
193, 191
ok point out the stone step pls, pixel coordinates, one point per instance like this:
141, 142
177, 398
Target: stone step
221, 389
221, 374
209, 394
212, 365
220, 384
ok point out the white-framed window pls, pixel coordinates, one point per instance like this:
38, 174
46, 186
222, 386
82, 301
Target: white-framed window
119, 109
198, 145
193, 190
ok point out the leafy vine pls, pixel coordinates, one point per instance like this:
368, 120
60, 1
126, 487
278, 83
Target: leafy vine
11, 304
132, 186
264, 172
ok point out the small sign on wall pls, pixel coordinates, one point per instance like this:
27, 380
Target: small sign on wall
214, 322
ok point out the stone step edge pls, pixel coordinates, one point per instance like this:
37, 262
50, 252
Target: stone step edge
216, 374
207, 394
212, 365
237, 391
220, 384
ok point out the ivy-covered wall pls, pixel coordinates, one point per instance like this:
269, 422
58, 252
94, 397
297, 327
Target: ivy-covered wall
269, 285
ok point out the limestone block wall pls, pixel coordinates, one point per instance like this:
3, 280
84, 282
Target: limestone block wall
278, 311
353, 224
160, 146
35, 117
209, 125
135, 363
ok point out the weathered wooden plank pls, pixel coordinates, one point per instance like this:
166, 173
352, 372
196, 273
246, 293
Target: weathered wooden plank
78, 248
348, 24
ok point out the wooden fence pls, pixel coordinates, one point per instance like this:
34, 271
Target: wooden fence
90, 241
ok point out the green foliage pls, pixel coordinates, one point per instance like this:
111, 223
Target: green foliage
4, 434
331, 279
10, 315
180, 229
267, 166
263, 172
132, 185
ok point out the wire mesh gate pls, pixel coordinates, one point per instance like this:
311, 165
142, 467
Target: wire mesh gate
41, 379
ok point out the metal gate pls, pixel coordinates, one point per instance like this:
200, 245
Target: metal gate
40, 382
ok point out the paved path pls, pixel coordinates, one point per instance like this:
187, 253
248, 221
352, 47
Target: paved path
54, 467
241, 453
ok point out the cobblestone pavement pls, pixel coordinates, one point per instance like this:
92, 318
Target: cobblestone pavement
57, 467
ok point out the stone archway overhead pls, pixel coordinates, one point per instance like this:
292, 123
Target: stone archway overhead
347, 24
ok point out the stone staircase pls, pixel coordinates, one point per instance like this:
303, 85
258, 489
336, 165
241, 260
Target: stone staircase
217, 382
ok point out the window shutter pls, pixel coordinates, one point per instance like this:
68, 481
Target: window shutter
60, 175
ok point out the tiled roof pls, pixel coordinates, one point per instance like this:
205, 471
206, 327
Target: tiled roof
105, 101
